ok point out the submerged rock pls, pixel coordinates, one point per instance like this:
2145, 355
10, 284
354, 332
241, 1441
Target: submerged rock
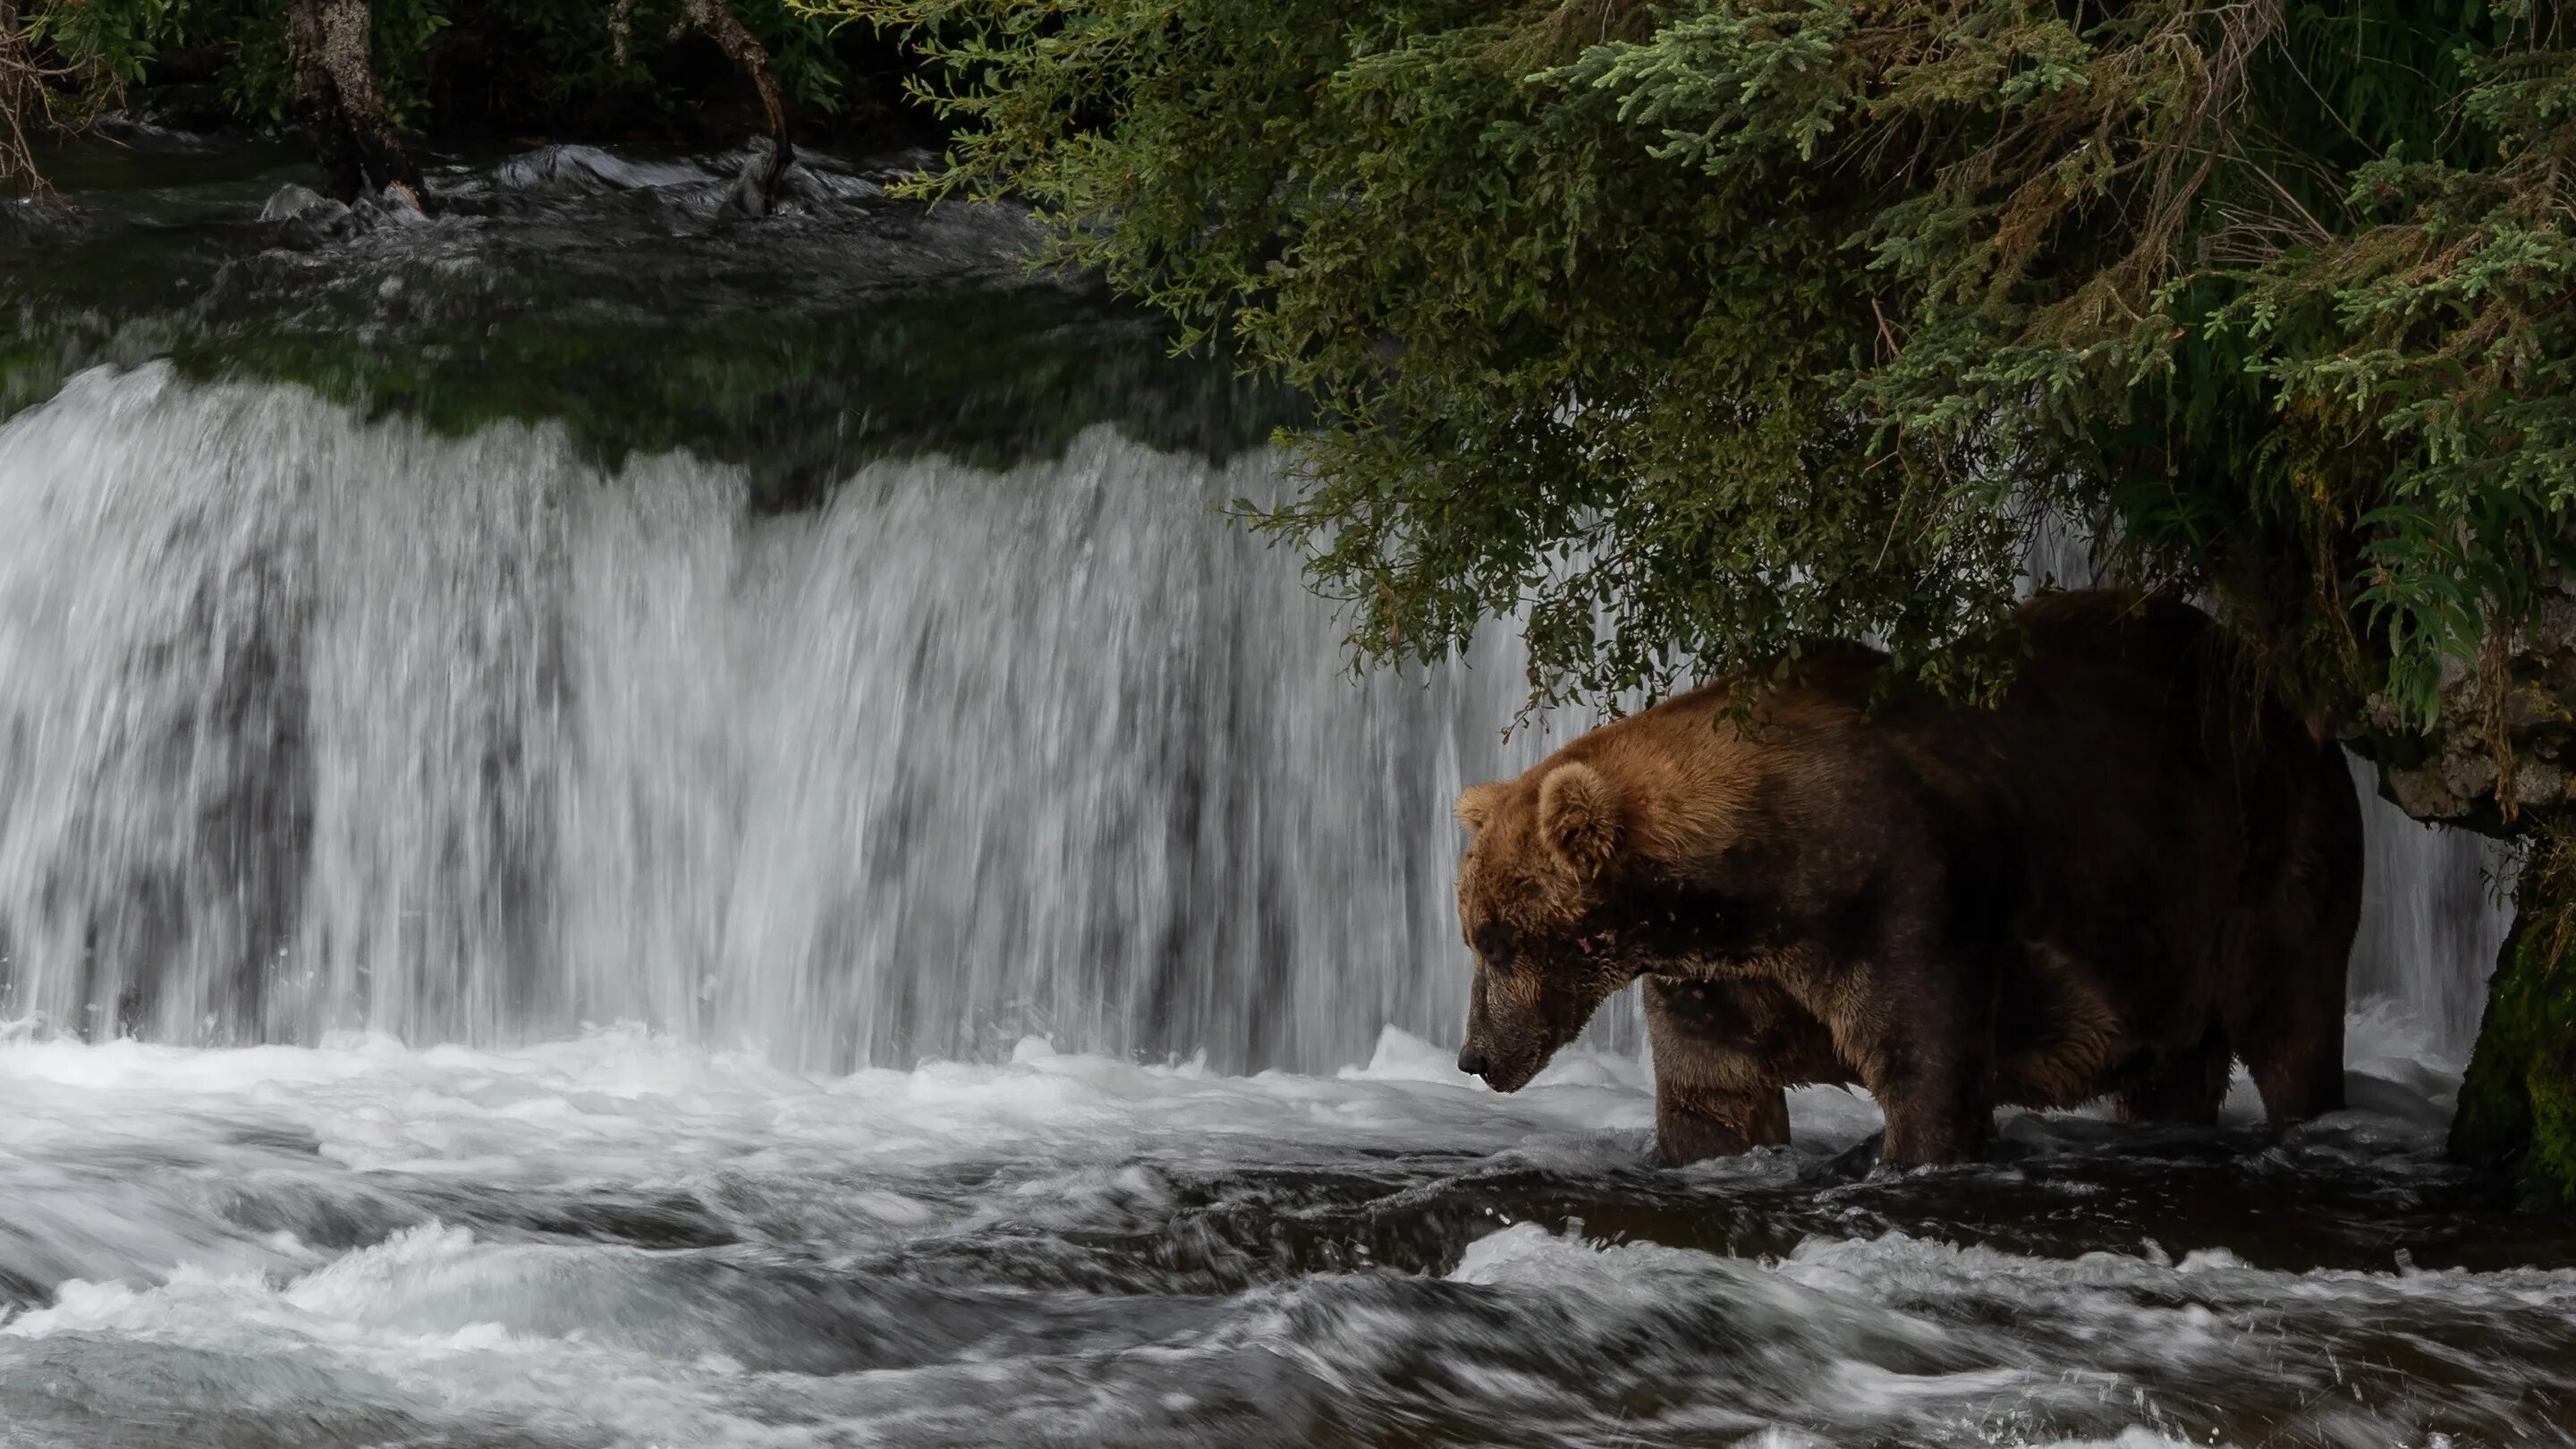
588, 171
294, 202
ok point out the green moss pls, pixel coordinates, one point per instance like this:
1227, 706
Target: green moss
987, 372
2553, 1117
2518, 1105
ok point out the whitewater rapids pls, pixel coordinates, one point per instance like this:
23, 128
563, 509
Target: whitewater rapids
623, 1240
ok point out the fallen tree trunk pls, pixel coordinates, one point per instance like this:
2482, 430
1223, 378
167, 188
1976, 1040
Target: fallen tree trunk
338, 102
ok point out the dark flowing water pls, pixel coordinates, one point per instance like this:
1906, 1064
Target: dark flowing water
629, 827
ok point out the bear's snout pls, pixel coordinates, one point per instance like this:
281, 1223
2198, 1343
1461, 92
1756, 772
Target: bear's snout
1507, 1072
1505, 1047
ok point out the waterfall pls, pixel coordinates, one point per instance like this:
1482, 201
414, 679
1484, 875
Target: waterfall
311, 723
2434, 913
316, 724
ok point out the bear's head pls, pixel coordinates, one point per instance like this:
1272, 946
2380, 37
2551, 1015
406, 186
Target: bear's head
1541, 866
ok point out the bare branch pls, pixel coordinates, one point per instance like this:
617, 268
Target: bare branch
26, 105
716, 21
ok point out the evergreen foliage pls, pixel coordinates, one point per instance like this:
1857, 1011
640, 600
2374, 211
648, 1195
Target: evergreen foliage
1707, 329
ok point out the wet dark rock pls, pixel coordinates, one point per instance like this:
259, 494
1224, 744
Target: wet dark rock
2507, 735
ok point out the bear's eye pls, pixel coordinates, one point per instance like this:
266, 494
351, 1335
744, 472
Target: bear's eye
1494, 941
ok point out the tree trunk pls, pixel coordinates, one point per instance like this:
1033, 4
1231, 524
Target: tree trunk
336, 98
2517, 1110
316, 108
715, 20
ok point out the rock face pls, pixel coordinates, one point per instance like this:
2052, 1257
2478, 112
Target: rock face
2528, 706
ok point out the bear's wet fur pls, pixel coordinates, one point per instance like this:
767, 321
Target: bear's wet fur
2131, 871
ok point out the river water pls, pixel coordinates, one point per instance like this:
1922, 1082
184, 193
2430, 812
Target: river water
629, 827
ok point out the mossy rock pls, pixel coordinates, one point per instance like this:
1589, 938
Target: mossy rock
2518, 1104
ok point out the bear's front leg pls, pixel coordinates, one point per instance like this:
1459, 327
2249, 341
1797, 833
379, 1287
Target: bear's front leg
1724, 1052
1937, 1113
1923, 1048
1694, 1125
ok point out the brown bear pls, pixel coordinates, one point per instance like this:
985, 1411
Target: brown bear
2130, 871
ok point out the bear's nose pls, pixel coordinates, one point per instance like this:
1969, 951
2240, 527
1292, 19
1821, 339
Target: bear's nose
1473, 1061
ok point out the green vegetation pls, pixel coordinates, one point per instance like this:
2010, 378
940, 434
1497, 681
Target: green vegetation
432, 51
1736, 324
465, 69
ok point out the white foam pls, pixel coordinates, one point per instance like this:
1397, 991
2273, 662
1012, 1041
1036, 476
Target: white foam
622, 1095
120, 1166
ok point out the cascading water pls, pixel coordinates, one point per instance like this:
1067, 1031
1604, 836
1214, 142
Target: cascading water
315, 724
2434, 914
407, 820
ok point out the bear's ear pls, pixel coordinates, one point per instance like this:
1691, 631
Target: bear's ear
1578, 812
1477, 805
